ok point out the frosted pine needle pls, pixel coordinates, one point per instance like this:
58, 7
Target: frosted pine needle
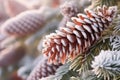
115, 42
78, 35
106, 64
69, 9
24, 24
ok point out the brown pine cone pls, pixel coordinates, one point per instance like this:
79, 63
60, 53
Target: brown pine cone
11, 55
43, 69
24, 24
78, 35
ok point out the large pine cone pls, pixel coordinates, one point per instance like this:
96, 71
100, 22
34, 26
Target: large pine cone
43, 69
24, 24
78, 35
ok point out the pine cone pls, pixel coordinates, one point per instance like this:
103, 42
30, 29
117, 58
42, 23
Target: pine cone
70, 9
43, 69
11, 55
24, 24
78, 35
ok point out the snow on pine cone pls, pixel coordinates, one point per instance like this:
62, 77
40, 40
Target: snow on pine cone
43, 69
78, 35
69, 9
23, 24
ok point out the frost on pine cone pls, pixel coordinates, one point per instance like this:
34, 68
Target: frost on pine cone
43, 69
78, 35
68, 9
23, 24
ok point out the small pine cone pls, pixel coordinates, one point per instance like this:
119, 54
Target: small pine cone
24, 24
11, 55
70, 8
78, 35
43, 69
14, 7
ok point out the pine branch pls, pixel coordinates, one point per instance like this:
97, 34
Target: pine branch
62, 73
82, 62
107, 65
96, 3
88, 75
115, 42
117, 25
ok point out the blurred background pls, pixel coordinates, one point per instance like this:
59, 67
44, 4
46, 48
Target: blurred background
23, 26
